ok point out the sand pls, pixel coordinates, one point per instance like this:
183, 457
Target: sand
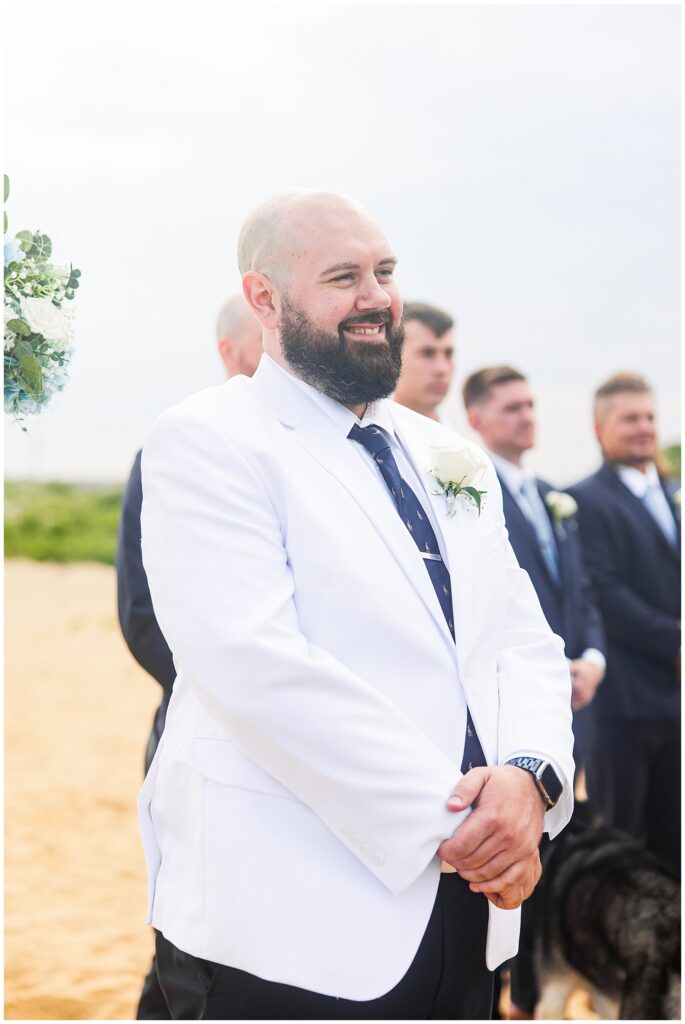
77, 714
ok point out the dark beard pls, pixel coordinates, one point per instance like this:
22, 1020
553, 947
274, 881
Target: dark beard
351, 376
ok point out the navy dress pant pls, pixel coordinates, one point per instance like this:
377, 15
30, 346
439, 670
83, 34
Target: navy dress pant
447, 980
633, 779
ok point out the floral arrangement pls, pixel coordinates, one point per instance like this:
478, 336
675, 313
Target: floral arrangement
457, 472
38, 330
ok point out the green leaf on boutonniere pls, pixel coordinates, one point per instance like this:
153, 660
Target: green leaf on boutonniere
474, 494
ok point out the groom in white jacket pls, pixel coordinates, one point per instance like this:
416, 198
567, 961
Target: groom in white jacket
370, 725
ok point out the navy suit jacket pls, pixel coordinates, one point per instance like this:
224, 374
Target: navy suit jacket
636, 573
570, 606
136, 616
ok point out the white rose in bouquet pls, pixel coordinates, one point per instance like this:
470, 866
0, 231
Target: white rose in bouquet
43, 317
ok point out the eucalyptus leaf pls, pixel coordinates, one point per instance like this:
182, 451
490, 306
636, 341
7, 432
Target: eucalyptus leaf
6, 187
19, 327
32, 377
5, 222
73, 281
40, 248
474, 494
45, 247
31, 373
26, 239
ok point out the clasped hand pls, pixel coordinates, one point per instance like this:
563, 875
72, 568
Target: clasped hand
496, 848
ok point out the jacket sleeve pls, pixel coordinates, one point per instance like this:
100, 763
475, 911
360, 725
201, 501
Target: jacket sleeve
136, 616
628, 618
223, 590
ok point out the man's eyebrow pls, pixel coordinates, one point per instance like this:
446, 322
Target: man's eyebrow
388, 261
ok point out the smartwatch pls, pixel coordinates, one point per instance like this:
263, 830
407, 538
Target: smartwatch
546, 779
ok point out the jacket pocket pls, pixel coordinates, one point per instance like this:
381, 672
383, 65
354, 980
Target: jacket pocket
491, 540
221, 761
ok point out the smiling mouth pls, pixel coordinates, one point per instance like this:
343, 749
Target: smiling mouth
369, 332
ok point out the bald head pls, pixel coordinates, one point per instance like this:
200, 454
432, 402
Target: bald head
318, 274
239, 337
279, 230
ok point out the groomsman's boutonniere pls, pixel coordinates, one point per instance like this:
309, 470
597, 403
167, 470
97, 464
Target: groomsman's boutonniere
677, 500
457, 472
561, 505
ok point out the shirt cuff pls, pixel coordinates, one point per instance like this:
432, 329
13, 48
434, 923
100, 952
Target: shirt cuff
595, 657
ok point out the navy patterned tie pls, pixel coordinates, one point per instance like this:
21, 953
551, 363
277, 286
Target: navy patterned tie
418, 524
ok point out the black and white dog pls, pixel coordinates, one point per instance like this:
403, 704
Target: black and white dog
606, 916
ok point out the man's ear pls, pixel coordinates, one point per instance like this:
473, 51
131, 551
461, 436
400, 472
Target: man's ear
473, 418
262, 297
598, 431
227, 353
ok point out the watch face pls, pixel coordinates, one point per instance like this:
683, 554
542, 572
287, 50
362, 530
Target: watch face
550, 781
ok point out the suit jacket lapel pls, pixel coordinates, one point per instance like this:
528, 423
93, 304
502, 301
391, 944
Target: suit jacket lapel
514, 515
458, 536
675, 511
560, 540
315, 431
639, 510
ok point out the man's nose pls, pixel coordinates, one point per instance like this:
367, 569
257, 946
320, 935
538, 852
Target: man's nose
443, 366
372, 295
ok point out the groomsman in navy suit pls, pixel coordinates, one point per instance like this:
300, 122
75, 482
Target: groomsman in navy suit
542, 530
544, 535
629, 516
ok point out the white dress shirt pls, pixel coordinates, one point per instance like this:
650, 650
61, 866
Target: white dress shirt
376, 413
647, 487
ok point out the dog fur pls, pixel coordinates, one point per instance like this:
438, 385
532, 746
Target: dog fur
606, 916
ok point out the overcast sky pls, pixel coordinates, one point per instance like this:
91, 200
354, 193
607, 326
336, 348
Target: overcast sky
523, 161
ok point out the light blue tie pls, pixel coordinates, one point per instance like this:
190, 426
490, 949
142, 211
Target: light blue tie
656, 504
543, 528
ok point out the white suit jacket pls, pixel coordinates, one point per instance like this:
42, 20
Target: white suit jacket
293, 811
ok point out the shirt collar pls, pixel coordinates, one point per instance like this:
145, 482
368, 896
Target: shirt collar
343, 419
512, 475
637, 482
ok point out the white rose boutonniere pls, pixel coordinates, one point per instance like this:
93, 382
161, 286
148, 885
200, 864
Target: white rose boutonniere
457, 472
561, 505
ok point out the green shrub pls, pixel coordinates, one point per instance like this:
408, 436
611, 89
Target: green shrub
672, 454
58, 522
